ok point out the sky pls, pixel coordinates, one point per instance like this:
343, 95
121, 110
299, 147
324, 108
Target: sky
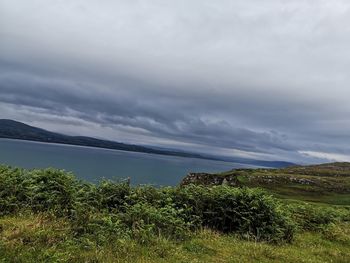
257, 79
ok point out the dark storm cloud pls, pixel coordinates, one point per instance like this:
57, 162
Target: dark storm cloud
237, 77
153, 112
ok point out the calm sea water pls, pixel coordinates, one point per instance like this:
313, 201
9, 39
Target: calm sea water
93, 164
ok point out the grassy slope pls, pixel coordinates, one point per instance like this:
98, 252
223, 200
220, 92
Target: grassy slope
326, 183
41, 238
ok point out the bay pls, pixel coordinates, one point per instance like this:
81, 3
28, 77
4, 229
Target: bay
94, 164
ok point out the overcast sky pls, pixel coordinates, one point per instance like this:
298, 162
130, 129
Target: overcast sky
261, 79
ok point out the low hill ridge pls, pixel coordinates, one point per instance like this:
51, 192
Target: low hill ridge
17, 130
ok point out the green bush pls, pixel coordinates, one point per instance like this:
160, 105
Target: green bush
246, 211
142, 213
51, 190
112, 195
13, 192
148, 221
39, 190
312, 217
101, 228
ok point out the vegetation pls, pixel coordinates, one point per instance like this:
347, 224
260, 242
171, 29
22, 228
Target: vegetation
326, 183
50, 216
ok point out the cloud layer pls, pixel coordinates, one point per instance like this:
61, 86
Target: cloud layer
265, 80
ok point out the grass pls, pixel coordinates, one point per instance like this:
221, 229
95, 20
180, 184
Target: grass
41, 238
326, 183
50, 216
307, 247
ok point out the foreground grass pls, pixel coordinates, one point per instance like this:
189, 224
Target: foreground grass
42, 238
50, 216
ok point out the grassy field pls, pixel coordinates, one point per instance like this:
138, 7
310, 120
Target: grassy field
325, 183
37, 238
49, 216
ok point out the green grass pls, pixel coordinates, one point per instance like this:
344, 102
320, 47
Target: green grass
326, 183
39, 238
50, 216
308, 194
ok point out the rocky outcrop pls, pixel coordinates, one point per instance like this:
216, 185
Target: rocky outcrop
210, 179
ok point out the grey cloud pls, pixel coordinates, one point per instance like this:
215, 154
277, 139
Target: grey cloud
158, 118
267, 78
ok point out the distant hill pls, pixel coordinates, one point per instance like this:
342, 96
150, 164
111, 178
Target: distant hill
17, 130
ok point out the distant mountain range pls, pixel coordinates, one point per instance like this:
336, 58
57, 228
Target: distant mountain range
11, 129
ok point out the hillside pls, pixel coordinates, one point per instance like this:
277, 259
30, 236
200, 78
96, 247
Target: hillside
16, 130
51, 216
329, 183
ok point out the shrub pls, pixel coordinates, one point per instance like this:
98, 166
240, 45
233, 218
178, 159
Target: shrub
116, 209
148, 194
112, 195
101, 228
312, 217
38, 190
13, 192
147, 222
337, 232
51, 190
246, 211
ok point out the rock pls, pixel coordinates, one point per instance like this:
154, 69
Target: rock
209, 179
